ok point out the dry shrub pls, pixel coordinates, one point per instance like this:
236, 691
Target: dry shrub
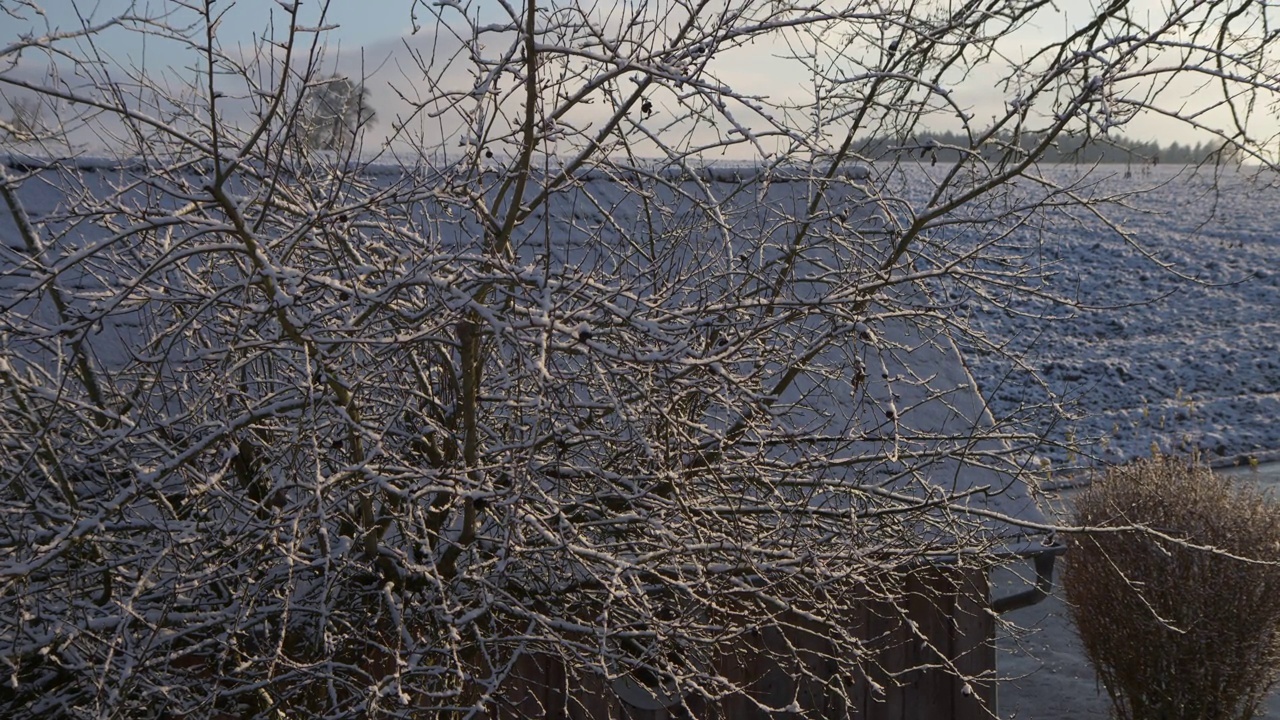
1175, 630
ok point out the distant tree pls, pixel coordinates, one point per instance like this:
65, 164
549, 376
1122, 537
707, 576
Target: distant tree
951, 147
334, 113
24, 121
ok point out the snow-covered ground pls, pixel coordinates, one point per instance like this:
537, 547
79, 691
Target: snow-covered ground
1043, 671
1179, 341
1186, 356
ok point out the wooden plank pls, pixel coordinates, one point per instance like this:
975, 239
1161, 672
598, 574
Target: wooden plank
822, 687
523, 692
774, 670
894, 660
886, 637
733, 666
915, 601
931, 599
855, 684
974, 648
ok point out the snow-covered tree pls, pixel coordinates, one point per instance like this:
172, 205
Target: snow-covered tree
336, 111
23, 121
285, 435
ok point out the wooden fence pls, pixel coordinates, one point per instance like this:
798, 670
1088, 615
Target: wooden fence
944, 669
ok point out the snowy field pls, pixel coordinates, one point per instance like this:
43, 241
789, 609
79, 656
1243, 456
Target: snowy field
1186, 355
1178, 339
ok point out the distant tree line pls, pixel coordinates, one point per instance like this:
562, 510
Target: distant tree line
947, 147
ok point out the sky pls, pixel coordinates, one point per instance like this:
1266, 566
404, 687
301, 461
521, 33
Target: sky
358, 22
375, 39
